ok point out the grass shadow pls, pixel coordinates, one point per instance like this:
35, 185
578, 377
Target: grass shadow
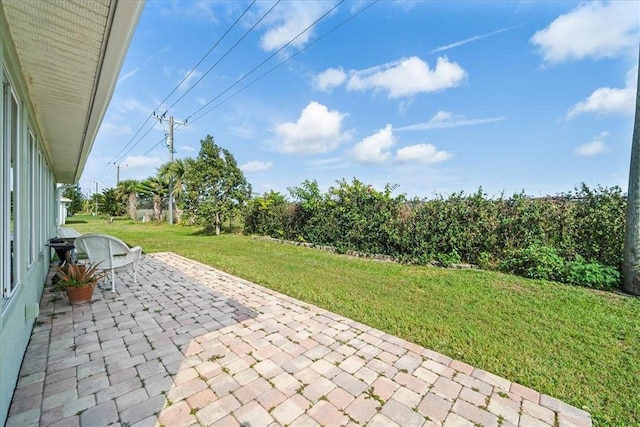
206, 231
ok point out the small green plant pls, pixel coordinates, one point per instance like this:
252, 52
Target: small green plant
215, 357
77, 276
371, 394
591, 274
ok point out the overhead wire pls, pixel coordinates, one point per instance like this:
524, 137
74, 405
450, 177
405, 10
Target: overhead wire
164, 138
226, 53
267, 59
252, 71
119, 155
275, 67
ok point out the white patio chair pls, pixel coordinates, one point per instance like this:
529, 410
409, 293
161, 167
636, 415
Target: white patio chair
110, 253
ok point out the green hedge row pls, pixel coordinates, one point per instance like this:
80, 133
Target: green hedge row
581, 231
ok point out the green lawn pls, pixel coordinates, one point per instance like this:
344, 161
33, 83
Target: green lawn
575, 344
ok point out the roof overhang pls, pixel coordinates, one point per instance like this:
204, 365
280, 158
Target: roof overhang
70, 55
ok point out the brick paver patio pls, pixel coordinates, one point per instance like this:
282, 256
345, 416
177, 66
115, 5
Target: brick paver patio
191, 345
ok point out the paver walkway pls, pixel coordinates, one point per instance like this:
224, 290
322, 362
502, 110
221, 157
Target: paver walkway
191, 345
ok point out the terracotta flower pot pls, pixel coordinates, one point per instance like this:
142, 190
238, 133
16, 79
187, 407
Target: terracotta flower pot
80, 295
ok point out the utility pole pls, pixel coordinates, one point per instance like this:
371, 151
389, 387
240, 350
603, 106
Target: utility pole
171, 152
96, 213
117, 174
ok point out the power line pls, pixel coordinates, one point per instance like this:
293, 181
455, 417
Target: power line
163, 139
207, 54
225, 54
119, 157
273, 68
267, 59
257, 67
119, 154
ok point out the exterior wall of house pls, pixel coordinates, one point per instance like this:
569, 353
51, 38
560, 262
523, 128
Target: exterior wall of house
28, 210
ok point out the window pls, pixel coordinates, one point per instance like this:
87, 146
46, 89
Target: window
31, 181
10, 196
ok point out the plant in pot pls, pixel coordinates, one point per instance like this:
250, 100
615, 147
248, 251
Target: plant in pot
78, 281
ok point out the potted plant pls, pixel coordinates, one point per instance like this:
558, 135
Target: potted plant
78, 281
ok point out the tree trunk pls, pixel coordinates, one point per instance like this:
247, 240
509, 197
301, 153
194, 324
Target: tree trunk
631, 268
217, 224
133, 205
157, 207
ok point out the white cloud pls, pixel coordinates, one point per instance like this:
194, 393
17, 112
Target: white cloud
188, 77
114, 130
408, 77
422, 153
329, 164
243, 130
407, 5
288, 20
375, 148
130, 104
593, 29
142, 162
187, 148
317, 130
329, 78
445, 119
606, 100
199, 10
471, 39
594, 147
256, 166
127, 75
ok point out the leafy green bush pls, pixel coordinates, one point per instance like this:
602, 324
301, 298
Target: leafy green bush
535, 261
266, 215
485, 261
530, 236
448, 259
591, 274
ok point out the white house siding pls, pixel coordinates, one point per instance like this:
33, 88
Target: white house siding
31, 224
49, 118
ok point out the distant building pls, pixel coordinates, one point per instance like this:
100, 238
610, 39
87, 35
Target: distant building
63, 207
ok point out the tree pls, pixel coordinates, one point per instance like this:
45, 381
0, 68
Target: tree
175, 171
214, 186
127, 192
631, 267
108, 203
75, 195
157, 188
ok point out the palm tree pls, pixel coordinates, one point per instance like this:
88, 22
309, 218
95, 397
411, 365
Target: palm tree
157, 188
631, 267
127, 192
174, 172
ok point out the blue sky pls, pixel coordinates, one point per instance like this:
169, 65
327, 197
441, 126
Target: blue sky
434, 97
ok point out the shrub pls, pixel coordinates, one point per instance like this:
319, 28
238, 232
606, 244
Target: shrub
448, 259
529, 236
485, 261
535, 261
591, 274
